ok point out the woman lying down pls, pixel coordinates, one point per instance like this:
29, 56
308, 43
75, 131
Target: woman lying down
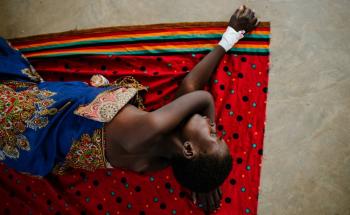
51, 126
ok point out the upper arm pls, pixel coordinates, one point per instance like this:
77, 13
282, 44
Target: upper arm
185, 87
169, 116
135, 133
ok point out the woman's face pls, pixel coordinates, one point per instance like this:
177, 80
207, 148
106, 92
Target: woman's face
197, 130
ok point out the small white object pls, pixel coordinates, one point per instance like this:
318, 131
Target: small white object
230, 38
109, 165
99, 81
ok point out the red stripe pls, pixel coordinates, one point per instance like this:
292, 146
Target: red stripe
146, 31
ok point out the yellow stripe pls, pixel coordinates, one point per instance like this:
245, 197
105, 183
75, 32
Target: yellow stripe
144, 47
260, 32
134, 35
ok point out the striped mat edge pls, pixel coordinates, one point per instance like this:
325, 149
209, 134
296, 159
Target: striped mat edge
151, 39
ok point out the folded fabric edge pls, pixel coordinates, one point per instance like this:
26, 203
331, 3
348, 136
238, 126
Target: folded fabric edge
125, 28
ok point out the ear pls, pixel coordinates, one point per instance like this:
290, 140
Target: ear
188, 150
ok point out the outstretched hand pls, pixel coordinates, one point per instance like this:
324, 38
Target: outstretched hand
209, 202
243, 19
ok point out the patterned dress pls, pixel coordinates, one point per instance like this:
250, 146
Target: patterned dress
47, 126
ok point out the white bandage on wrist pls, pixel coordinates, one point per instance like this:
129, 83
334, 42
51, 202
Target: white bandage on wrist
230, 38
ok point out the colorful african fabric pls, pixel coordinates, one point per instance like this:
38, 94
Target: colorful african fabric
159, 57
40, 120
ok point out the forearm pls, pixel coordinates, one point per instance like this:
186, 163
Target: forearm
202, 72
171, 115
209, 111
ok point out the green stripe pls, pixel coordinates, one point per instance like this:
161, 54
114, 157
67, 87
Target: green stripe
249, 50
140, 39
253, 36
162, 51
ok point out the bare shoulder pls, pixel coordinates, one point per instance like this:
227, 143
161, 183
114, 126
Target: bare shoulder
131, 128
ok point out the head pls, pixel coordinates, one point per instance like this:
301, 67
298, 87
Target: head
204, 160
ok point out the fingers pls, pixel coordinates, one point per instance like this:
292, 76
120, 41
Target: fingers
251, 14
241, 10
236, 13
194, 198
211, 202
220, 192
208, 201
216, 199
246, 12
255, 21
251, 19
202, 202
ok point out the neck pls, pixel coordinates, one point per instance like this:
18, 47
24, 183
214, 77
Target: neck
171, 146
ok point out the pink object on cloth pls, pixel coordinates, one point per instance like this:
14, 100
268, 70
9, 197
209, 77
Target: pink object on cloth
99, 81
107, 104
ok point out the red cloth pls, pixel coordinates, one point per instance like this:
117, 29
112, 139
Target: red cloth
239, 87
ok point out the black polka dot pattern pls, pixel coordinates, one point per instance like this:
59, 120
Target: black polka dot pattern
162, 206
238, 87
143, 68
167, 185
123, 180
119, 199
137, 188
220, 127
245, 98
232, 181
95, 183
99, 207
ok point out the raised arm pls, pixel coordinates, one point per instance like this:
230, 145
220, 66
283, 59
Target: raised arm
243, 19
171, 115
148, 125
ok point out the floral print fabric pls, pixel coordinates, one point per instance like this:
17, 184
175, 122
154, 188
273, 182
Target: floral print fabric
20, 110
106, 105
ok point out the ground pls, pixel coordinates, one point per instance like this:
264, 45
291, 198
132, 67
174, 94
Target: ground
307, 151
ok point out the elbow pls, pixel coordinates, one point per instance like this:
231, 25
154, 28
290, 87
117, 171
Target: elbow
187, 87
190, 87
